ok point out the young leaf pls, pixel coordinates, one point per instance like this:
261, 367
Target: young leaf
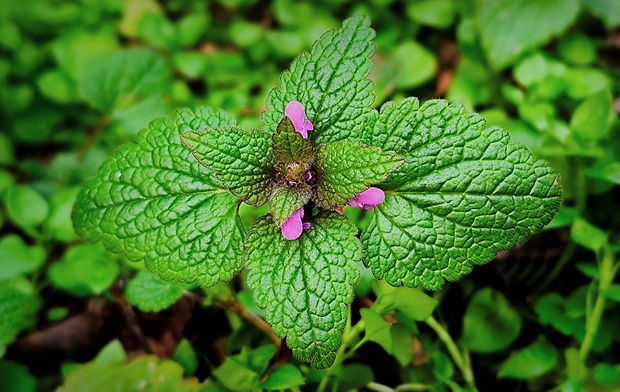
345, 169
490, 323
124, 79
289, 146
464, 193
19, 258
592, 119
530, 362
330, 82
150, 294
283, 377
500, 24
284, 201
16, 377
377, 329
19, 304
305, 285
242, 160
154, 202
68, 273
26, 207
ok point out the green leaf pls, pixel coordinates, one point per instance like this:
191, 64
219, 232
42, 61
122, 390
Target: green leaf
284, 201
436, 13
607, 10
605, 374
551, 309
19, 304
395, 339
185, 356
416, 65
377, 329
241, 159
411, 302
16, 377
283, 377
355, 376
289, 146
236, 376
58, 225
25, 206
146, 372
68, 273
414, 303
345, 169
588, 235
305, 285
402, 344
592, 119
613, 292
509, 28
124, 78
150, 294
490, 323
578, 49
464, 193
19, 258
155, 202
584, 82
532, 361
330, 82
113, 352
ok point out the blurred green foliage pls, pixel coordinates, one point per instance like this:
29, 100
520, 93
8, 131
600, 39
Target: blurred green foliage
80, 77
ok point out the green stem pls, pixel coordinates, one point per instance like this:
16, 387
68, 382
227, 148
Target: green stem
461, 361
607, 272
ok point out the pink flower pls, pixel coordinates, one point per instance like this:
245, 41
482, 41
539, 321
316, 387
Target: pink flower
296, 113
293, 227
368, 199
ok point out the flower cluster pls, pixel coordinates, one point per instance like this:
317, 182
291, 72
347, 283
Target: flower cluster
293, 227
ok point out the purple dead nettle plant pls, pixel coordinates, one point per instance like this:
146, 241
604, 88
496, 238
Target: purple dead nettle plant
445, 193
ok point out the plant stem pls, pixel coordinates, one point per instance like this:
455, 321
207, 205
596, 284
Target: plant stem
607, 272
459, 359
234, 306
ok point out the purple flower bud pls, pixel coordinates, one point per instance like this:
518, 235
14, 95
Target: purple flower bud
368, 199
293, 227
296, 113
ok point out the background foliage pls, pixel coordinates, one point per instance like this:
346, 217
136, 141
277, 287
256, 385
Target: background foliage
81, 77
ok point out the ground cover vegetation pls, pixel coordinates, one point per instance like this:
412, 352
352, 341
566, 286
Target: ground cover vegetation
282, 195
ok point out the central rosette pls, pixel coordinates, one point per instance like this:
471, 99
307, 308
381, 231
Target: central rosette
296, 175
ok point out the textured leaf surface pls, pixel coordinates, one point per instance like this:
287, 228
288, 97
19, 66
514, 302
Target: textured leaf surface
345, 169
289, 146
306, 285
19, 304
464, 193
154, 202
241, 159
284, 201
509, 28
150, 294
330, 82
